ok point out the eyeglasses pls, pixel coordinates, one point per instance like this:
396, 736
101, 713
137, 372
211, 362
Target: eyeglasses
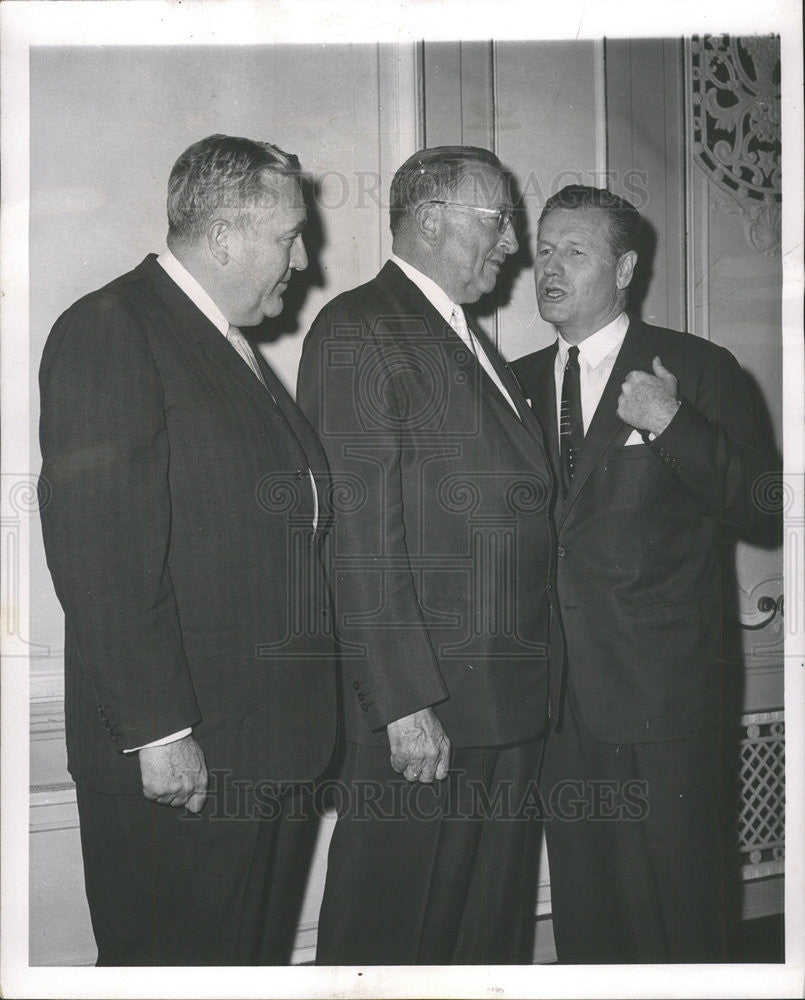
505, 215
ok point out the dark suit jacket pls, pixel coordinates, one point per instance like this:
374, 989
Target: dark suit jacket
441, 526
177, 514
642, 535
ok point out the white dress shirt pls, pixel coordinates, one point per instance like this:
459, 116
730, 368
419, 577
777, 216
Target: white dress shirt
597, 355
445, 306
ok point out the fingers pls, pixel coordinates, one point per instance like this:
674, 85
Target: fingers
443, 762
426, 765
190, 790
175, 774
196, 801
419, 770
420, 749
659, 367
398, 764
420, 767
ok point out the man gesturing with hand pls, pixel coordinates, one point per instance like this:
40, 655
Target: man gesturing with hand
654, 440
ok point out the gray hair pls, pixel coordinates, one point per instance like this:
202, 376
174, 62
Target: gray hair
223, 174
433, 174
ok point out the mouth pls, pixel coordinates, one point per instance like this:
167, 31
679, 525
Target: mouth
552, 293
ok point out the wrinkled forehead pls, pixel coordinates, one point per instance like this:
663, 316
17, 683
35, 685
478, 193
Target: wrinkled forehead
481, 184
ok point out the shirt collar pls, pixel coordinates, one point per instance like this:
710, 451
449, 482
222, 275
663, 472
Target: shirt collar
434, 293
193, 290
598, 345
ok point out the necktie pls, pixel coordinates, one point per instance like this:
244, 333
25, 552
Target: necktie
243, 347
459, 324
571, 424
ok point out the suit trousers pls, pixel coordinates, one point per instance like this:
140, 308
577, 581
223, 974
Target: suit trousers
166, 887
635, 846
431, 874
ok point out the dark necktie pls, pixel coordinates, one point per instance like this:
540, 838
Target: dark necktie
571, 425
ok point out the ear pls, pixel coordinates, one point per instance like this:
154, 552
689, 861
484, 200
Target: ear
218, 236
428, 219
624, 269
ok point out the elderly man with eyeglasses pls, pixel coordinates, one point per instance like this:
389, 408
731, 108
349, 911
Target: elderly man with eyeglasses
441, 541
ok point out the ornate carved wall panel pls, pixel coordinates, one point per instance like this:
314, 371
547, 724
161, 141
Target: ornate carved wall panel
735, 108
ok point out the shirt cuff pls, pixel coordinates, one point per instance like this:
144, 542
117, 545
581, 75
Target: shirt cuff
164, 741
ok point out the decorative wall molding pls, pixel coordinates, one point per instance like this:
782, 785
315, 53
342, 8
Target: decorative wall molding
47, 682
735, 99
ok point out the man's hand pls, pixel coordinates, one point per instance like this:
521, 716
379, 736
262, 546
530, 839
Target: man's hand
649, 402
175, 774
420, 749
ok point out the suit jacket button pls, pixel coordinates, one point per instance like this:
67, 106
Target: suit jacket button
364, 706
561, 550
299, 474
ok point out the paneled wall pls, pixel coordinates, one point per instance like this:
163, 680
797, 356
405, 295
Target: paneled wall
106, 125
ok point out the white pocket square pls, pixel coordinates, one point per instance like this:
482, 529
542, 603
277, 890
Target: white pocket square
634, 438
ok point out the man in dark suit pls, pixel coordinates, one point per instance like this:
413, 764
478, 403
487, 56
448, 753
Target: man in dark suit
441, 543
179, 512
655, 443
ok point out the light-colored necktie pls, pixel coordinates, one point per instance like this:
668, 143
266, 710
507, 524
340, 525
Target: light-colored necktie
459, 324
244, 349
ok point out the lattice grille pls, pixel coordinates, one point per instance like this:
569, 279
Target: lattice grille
761, 819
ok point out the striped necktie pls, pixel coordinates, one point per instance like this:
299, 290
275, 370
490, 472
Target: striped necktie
244, 349
459, 324
571, 424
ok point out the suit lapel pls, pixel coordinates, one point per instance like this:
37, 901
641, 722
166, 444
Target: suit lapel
542, 386
521, 428
508, 381
221, 352
606, 428
202, 338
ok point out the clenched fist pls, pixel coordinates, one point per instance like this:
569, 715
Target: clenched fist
649, 402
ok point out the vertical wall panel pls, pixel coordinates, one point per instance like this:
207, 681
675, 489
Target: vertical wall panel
457, 87
547, 132
645, 153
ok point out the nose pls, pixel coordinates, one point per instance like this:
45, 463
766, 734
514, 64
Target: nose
298, 254
508, 239
551, 264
